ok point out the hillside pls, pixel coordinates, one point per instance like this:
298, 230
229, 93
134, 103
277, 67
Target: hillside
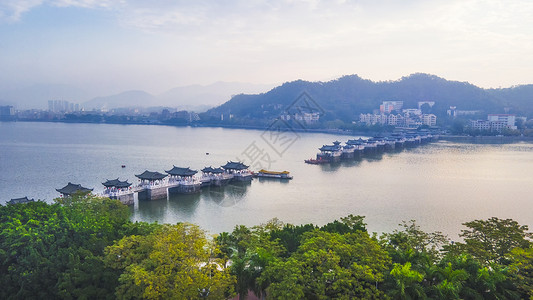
124, 99
193, 97
345, 98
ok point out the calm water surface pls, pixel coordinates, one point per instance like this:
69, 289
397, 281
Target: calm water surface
440, 185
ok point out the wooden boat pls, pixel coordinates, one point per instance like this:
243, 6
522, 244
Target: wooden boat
273, 174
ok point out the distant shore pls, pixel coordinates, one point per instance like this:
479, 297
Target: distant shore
457, 138
485, 138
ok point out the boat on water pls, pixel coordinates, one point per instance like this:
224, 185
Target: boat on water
317, 161
273, 174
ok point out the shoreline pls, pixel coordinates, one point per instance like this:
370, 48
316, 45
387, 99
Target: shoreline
457, 138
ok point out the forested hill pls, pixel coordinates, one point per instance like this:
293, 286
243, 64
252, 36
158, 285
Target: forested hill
345, 98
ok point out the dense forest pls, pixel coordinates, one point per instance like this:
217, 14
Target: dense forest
85, 247
343, 99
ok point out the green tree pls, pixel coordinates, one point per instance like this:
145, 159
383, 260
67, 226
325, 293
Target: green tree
414, 245
329, 265
290, 236
250, 251
173, 262
406, 282
54, 251
347, 224
458, 126
522, 270
490, 241
448, 282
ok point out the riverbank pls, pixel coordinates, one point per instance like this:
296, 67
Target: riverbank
456, 138
485, 139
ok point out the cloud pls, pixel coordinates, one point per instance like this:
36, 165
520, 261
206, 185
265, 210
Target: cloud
87, 3
300, 37
12, 10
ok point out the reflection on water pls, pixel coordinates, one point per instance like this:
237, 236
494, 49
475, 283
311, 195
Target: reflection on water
266, 180
150, 210
187, 203
228, 195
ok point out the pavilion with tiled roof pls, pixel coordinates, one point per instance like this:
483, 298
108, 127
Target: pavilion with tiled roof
213, 170
115, 183
238, 166
151, 176
20, 200
72, 188
182, 172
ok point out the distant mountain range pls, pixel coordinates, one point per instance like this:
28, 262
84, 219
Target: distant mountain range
193, 97
341, 99
345, 98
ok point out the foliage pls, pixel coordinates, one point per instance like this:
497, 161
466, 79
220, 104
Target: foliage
173, 262
413, 242
407, 282
290, 236
329, 265
522, 268
490, 241
54, 251
84, 247
250, 251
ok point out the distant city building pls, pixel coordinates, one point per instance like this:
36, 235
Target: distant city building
62, 106
482, 125
429, 119
509, 120
302, 116
452, 112
494, 123
467, 112
396, 120
7, 113
408, 118
389, 106
372, 119
307, 117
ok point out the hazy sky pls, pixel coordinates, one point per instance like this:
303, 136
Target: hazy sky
116, 45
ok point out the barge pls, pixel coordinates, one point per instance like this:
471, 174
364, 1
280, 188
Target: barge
273, 174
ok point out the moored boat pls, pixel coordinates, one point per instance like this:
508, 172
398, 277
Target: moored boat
273, 174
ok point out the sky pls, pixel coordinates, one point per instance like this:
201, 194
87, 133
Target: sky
109, 46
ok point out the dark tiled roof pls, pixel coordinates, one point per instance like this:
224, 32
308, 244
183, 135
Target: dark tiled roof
208, 169
213, 170
176, 171
218, 171
147, 175
231, 165
116, 183
355, 142
330, 148
20, 200
72, 188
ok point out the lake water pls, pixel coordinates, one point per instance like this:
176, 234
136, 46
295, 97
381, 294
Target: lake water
440, 185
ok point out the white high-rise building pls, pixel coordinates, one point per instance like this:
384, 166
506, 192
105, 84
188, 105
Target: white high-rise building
509, 120
429, 119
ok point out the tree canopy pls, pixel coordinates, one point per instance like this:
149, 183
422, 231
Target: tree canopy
85, 247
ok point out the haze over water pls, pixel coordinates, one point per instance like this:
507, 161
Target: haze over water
440, 185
